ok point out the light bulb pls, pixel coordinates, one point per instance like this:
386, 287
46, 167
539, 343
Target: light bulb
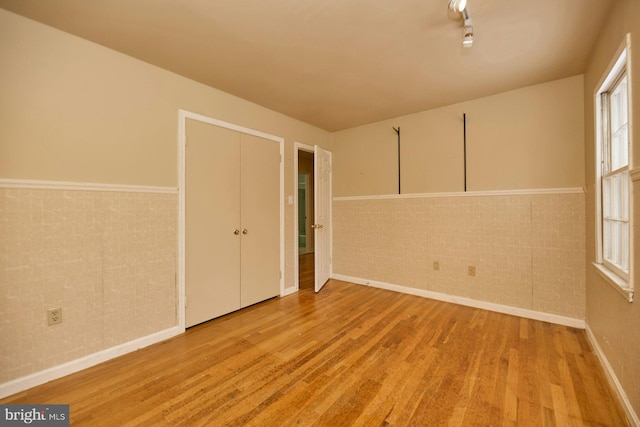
457, 5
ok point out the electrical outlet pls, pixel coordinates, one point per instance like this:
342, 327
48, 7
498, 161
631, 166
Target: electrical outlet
54, 316
472, 270
436, 265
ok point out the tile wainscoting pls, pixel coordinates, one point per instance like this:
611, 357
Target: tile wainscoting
528, 247
105, 255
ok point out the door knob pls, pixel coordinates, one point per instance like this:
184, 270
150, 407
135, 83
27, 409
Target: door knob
236, 232
244, 231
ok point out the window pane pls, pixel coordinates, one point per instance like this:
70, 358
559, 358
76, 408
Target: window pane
615, 196
619, 122
606, 239
624, 246
615, 192
606, 197
619, 148
624, 196
615, 111
614, 242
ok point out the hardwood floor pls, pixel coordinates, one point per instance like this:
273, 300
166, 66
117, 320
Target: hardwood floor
350, 355
306, 275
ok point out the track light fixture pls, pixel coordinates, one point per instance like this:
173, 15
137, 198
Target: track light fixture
467, 36
460, 6
467, 30
457, 5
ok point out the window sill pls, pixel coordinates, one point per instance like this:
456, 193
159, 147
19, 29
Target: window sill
615, 281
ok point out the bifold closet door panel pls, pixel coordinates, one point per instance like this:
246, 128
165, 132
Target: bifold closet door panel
212, 214
260, 213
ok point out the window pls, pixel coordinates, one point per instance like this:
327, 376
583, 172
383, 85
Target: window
612, 109
615, 179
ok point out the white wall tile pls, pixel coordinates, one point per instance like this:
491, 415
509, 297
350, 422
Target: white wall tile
528, 250
107, 258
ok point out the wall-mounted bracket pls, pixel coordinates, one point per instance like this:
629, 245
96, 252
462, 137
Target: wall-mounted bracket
398, 132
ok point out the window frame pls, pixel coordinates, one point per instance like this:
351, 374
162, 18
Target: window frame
619, 67
607, 171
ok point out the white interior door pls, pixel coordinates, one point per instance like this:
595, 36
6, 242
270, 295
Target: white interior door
260, 217
322, 210
212, 216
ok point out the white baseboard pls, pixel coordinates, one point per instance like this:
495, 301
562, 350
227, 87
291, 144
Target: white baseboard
499, 308
289, 291
632, 417
24, 383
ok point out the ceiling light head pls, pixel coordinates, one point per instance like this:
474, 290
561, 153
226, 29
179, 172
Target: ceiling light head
457, 5
467, 36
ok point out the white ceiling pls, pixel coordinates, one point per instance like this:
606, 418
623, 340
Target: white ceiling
340, 63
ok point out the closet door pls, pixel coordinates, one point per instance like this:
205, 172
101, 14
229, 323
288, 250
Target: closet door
260, 216
212, 214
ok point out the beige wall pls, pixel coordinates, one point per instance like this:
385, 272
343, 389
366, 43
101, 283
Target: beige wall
527, 248
613, 320
75, 111
522, 139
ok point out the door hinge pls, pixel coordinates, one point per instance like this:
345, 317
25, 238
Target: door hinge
186, 140
185, 301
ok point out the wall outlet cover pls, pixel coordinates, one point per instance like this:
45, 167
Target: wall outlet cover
54, 316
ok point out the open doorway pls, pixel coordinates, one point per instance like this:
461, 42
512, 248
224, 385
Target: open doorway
305, 212
316, 262
305, 217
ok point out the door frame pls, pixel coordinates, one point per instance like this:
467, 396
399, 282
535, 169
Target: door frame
298, 146
183, 115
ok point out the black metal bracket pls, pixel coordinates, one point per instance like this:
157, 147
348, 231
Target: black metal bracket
398, 132
464, 130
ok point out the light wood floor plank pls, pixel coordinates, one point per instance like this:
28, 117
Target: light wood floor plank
350, 355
